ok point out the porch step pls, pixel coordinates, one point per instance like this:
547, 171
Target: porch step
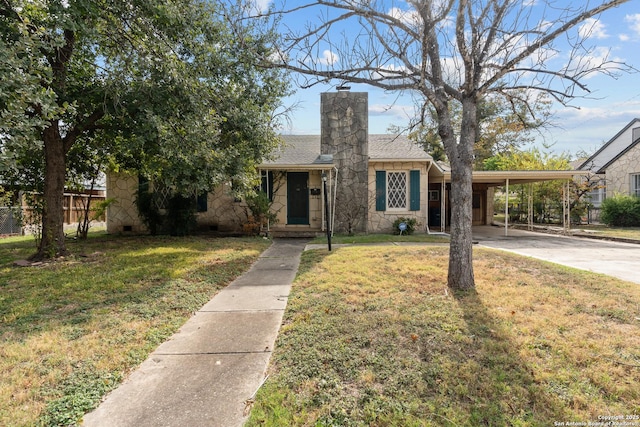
293, 234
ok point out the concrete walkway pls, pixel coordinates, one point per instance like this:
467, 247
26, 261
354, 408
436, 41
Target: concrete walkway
617, 259
206, 374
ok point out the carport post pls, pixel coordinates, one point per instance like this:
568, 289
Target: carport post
566, 208
506, 209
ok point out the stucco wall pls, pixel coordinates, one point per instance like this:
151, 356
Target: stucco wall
618, 173
382, 221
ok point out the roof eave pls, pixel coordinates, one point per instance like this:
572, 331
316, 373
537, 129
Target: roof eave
388, 160
520, 177
294, 166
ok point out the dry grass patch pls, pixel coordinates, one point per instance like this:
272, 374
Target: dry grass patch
373, 337
606, 231
72, 329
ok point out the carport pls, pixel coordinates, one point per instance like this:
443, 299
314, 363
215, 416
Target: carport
507, 178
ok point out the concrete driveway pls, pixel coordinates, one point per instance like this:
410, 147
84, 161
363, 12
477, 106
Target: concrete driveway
621, 260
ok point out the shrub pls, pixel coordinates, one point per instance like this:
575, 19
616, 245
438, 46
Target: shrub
621, 211
148, 210
410, 222
181, 215
259, 214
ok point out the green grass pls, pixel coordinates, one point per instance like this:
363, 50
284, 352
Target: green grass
372, 337
72, 329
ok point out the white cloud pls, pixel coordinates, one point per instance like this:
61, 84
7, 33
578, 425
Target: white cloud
593, 28
634, 22
409, 17
624, 37
599, 59
262, 5
394, 110
587, 128
389, 71
328, 58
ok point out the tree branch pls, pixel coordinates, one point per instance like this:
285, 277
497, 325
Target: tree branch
88, 125
546, 40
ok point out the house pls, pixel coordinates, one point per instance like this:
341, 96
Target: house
616, 164
371, 181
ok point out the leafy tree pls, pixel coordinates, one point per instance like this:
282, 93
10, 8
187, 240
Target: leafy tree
547, 195
502, 127
449, 52
162, 87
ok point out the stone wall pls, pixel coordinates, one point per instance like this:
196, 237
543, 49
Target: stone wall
122, 214
279, 204
223, 213
382, 221
618, 174
344, 133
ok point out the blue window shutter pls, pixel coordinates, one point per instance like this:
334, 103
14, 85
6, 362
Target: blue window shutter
381, 190
414, 190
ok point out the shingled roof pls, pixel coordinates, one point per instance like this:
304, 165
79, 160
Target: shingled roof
395, 147
304, 150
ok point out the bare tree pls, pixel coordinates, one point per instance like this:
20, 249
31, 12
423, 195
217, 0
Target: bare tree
451, 51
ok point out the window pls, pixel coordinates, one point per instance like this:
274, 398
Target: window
201, 202
398, 190
596, 197
266, 183
635, 184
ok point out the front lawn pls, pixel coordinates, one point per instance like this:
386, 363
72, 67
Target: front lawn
383, 238
72, 329
606, 231
373, 337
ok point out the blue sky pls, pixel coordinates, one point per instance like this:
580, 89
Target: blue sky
616, 103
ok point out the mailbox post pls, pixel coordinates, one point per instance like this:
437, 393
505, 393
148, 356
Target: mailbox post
326, 209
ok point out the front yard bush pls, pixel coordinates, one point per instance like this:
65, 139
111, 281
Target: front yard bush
621, 211
410, 224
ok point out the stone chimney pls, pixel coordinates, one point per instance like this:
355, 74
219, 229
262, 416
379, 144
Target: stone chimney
344, 133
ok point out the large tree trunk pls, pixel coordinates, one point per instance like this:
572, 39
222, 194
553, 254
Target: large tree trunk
461, 157
461, 247
52, 243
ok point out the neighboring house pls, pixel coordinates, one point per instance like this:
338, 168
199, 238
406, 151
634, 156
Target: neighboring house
372, 180
616, 164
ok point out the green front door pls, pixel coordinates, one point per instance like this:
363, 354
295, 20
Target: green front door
297, 198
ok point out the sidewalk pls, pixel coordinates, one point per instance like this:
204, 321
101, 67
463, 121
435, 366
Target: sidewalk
206, 373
